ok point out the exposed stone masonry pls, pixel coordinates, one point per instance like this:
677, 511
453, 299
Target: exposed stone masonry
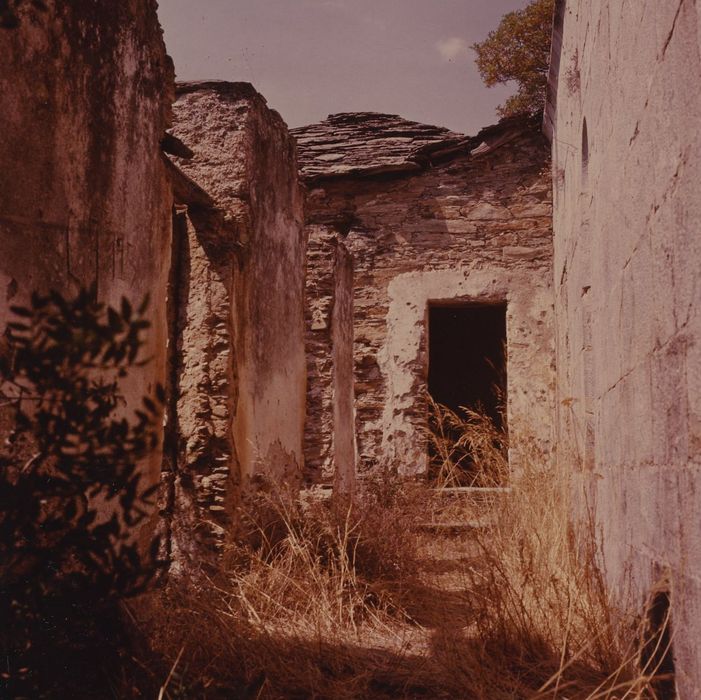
239, 368
203, 469
329, 439
320, 293
473, 228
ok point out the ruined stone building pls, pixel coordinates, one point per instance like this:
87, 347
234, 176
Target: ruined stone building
400, 219
217, 242
238, 370
624, 113
405, 221
297, 280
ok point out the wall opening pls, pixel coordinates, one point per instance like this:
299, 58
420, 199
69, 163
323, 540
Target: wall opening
657, 657
467, 370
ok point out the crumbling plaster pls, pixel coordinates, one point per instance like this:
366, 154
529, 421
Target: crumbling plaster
240, 369
404, 361
344, 445
329, 441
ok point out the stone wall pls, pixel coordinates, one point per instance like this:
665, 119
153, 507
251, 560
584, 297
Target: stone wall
426, 215
329, 438
626, 168
200, 466
344, 445
85, 93
239, 369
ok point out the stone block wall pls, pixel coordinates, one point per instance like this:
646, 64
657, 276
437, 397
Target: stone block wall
238, 369
433, 217
329, 446
85, 93
625, 110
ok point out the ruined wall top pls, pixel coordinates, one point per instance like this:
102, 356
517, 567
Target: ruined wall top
223, 87
370, 144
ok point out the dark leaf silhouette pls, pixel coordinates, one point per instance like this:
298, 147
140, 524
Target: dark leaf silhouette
70, 487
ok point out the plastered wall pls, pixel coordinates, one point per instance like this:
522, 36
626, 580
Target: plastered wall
85, 92
627, 225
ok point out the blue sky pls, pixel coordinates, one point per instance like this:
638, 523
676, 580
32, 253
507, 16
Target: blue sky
311, 58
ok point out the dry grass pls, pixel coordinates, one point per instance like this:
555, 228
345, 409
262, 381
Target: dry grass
310, 603
357, 600
467, 449
542, 619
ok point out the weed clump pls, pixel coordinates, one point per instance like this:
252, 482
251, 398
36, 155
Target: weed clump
310, 600
466, 448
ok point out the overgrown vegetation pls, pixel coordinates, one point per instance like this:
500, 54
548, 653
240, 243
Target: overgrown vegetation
400, 592
466, 448
519, 50
376, 599
70, 490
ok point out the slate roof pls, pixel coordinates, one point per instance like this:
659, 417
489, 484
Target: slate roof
371, 144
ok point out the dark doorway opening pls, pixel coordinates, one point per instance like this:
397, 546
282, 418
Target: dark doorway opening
467, 370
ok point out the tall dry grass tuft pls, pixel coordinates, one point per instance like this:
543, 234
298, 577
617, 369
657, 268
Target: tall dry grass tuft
542, 622
322, 561
541, 613
466, 448
362, 600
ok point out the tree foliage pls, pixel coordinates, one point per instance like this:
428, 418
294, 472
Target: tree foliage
70, 487
519, 50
